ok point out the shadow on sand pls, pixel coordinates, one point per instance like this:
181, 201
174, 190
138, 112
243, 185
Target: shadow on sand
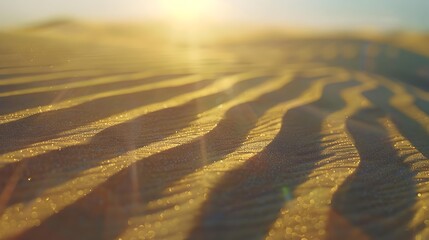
107, 202
110, 143
247, 200
44, 126
11, 104
408, 127
377, 200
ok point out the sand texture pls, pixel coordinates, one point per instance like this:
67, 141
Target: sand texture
104, 136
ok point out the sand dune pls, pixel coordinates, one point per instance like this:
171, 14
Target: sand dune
322, 137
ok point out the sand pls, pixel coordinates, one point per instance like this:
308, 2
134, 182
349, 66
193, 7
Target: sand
109, 136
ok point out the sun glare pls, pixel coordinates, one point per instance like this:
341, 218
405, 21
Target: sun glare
187, 11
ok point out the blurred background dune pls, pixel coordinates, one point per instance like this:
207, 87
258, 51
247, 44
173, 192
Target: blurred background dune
209, 21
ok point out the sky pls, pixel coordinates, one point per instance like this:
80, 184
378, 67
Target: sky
342, 14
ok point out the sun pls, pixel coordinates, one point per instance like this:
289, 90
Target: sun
187, 11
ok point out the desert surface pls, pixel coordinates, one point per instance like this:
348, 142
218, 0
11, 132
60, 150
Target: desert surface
109, 132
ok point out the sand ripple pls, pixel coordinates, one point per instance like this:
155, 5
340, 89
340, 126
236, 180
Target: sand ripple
292, 139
